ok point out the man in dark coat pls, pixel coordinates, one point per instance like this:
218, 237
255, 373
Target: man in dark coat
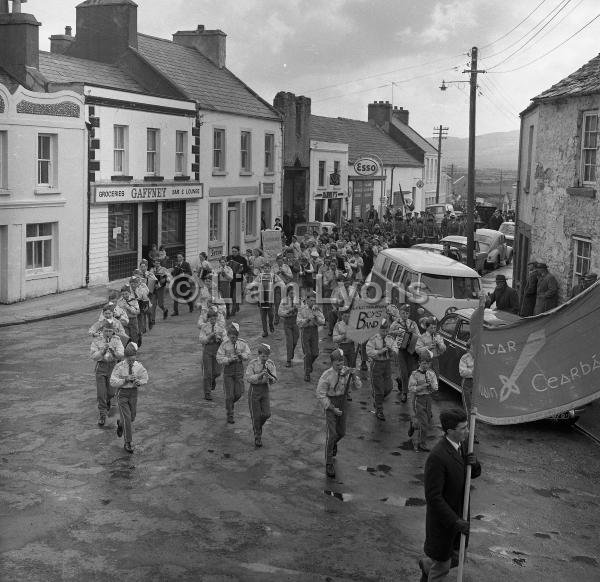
445, 476
239, 266
547, 290
505, 297
529, 291
182, 285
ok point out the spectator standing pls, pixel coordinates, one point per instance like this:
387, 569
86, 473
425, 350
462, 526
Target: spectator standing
547, 290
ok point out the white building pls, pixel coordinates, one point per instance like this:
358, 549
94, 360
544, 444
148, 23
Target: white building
329, 197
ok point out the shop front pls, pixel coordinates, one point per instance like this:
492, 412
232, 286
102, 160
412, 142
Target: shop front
139, 216
330, 206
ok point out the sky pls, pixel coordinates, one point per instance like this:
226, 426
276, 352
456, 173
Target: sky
345, 54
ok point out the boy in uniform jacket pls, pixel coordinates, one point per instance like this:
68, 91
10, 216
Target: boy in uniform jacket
310, 317
421, 385
212, 334
288, 311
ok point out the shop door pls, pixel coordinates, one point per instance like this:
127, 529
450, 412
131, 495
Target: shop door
233, 226
122, 240
149, 227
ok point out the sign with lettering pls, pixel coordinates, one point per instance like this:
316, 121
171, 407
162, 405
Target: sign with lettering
330, 194
271, 243
147, 193
539, 366
365, 319
367, 167
215, 252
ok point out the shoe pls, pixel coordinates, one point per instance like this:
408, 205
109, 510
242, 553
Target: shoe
175, 314
128, 447
399, 384
288, 364
213, 385
424, 575
150, 326
265, 334
476, 440
119, 429
403, 398
230, 420
257, 442
102, 420
349, 398
330, 471
364, 367
165, 313
411, 429
272, 329
379, 415
424, 449
334, 453
307, 377
208, 396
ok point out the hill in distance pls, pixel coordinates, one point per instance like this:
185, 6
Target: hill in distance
492, 150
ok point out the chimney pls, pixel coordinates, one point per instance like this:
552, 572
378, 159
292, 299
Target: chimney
60, 43
19, 42
380, 113
105, 29
211, 43
401, 114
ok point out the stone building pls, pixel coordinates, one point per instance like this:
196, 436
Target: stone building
558, 212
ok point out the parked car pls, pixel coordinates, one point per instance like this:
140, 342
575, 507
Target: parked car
306, 229
460, 243
493, 243
455, 328
508, 230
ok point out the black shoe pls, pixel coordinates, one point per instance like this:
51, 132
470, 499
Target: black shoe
330, 471
364, 367
265, 334
403, 398
307, 377
334, 453
424, 575
288, 364
257, 442
379, 415
411, 429
424, 449
272, 329
119, 429
230, 420
128, 447
150, 326
165, 313
349, 398
208, 396
102, 420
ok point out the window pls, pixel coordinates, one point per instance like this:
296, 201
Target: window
46, 159
245, 150
214, 222
436, 285
269, 151
152, 141
464, 331
3, 160
298, 119
589, 145
465, 287
122, 231
582, 257
265, 214
529, 159
173, 223
448, 325
251, 218
219, 150
321, 173
120, 161
180, 152
39, 238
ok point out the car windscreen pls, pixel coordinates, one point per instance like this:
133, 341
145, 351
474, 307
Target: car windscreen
465, 287
436, 285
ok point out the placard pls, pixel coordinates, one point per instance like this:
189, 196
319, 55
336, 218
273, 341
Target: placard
271, 243
365, 319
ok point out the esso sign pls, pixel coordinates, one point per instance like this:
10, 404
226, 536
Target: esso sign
366, 167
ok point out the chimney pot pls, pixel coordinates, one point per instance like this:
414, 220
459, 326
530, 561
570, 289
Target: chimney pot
200, 27
68, 30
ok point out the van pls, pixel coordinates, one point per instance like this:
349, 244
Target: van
305, 230
432, 284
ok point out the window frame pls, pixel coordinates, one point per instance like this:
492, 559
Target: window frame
34, 241
592, 149
246, 151
51, 160
585, 260
250, 226
218, 229
181, 153
124, 150
269, 153
220, 131
322, 172
3, 160
155, 152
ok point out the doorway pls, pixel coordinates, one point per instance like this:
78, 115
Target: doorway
233, 225
149, 227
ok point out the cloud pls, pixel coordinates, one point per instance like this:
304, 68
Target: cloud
447, 18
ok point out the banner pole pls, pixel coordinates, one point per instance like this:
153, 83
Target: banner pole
465, 513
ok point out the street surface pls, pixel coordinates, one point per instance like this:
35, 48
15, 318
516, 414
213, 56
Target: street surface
197, 501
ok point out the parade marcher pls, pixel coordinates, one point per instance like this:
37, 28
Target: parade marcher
153, 254
310, 317
212, 334
127, 376
119, 313
432, 342
108, 316
406, 333
529, 291
232, 354
239, 268
421, 385
445, 476
380, 348
106, 350
332, 391
140, 291
282, 270
288, 311
182, 284
547, 290
162, 280
212, 304
260, 374
505, 297
466, 365
344, 343
224, 276
151, 282
130, 304
266, 282
203, 269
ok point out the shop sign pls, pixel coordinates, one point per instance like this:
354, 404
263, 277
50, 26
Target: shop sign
146, 193
367, 167
328, 195
215, 252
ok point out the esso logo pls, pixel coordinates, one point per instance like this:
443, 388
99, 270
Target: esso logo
366, 167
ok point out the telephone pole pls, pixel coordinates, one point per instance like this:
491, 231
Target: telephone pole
442, 133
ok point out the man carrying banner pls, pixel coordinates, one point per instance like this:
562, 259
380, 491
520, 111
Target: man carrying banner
445, 478
505, 297
379, 350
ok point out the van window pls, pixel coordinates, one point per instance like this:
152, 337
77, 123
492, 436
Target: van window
379, 264
391, 270
385, 267
397, 274
465, 287
436, 285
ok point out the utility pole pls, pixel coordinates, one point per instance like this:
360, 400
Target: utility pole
442, 133
471, 170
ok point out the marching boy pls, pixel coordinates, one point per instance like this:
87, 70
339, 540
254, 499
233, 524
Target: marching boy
127, 377
260, 374
212, 334
421, 385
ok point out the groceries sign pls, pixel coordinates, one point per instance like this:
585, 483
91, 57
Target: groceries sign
367, 167
146, 193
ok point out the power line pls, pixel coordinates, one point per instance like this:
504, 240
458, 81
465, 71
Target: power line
500, 92
551, 50
566, 3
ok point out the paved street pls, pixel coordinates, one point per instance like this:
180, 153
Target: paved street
196, 501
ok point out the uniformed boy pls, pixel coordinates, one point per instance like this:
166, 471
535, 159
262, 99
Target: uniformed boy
380, 349
211, 336
127, 376
260, 374
421, 385
310, 317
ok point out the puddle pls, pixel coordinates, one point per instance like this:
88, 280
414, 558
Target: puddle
211, 450
415, 502
226, 456
398, 501
584, 560
338, 496
395, 453
544, 536
554, 492
368, 469
105, 501
384, 468
407, 446
520, 562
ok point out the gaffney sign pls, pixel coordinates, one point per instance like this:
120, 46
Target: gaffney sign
146, 193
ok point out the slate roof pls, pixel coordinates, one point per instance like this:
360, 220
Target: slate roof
584, 81
362, 139
200, 79
415, 137
59, 68
6, 80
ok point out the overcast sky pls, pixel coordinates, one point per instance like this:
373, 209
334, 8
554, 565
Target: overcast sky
344, 54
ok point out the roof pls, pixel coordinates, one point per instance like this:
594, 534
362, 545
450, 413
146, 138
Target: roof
6, 80
213, 88
415, 137
429, 262
363, 139
584, 81
105, 3
59, 68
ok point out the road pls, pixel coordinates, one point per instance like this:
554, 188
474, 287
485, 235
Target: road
197, 501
